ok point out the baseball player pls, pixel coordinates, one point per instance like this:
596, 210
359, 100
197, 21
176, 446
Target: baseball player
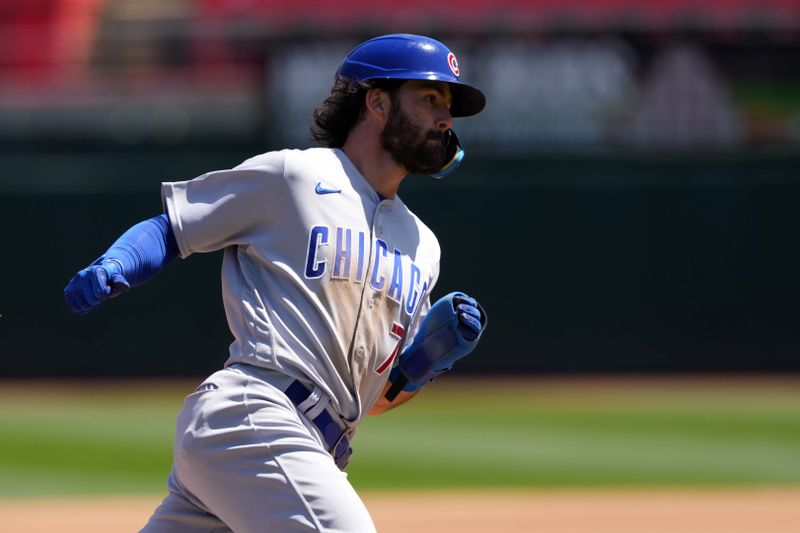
326, 283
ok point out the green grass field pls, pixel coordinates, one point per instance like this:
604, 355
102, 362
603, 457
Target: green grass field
115, 438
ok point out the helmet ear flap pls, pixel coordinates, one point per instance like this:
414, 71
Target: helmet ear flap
454, 154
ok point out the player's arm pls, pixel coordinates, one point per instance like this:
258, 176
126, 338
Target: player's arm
448, 333
138, 255
384, 404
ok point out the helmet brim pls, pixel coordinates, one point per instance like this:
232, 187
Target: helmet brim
467, 100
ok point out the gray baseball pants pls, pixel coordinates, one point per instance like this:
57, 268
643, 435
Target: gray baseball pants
246, 460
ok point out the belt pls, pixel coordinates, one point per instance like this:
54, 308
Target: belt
335, 438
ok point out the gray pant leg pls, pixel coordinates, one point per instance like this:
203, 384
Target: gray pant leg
244, 454
178, 514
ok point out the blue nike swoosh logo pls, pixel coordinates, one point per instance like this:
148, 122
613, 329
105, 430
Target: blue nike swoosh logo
322, 190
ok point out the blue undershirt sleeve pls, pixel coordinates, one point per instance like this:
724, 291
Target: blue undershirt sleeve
143, 250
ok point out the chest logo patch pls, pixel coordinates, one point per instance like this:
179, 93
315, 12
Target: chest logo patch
321, 189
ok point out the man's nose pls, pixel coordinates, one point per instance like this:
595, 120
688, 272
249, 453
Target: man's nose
445, 121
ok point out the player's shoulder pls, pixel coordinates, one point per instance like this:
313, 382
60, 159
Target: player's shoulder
273, 162
291, 161
311, 159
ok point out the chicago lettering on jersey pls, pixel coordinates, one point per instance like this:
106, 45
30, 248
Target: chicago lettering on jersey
343, 253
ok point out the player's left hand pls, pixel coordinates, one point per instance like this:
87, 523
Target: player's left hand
469, 316
449, 332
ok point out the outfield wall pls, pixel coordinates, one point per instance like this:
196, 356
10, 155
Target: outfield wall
584, 265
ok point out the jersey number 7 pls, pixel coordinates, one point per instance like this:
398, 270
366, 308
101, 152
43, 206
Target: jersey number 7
397, 331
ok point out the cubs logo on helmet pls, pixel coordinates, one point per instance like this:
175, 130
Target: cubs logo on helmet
453, 62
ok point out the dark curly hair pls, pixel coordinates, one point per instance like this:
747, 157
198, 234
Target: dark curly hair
342, 110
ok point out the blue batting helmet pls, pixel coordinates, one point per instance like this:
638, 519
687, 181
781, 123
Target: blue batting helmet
403, 56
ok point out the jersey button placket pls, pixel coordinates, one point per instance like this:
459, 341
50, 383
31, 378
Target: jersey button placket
382, 209
360, 359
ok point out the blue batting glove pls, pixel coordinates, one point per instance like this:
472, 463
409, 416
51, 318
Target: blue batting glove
449, 332
469, 317
95, 284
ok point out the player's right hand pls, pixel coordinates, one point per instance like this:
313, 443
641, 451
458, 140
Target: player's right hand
93, 285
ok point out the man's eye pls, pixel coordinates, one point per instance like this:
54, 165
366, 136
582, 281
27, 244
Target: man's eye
430, 99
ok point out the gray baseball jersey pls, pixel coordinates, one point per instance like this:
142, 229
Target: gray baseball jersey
322, 279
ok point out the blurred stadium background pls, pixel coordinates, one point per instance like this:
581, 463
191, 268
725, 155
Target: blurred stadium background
634, 179
633, 187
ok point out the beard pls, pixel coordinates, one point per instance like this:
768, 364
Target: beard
416, 150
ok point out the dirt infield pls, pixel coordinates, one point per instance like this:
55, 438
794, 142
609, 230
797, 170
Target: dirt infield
768, 510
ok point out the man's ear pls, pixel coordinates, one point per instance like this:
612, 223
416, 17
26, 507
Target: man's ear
378, 103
